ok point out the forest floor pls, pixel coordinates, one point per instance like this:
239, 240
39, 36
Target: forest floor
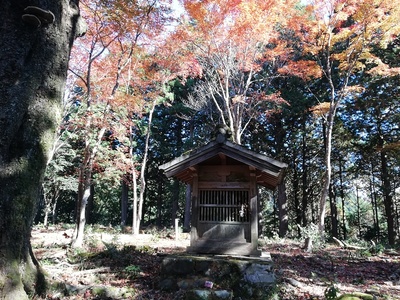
120, 266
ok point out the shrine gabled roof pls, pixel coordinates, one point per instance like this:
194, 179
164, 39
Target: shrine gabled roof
269, 172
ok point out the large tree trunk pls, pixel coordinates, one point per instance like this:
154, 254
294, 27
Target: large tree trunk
33, 67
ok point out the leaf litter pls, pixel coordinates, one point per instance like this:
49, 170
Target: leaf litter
121, 266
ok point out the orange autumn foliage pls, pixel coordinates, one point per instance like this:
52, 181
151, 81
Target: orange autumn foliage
321, 109
345, 31
228, 44
304, 69
341, 36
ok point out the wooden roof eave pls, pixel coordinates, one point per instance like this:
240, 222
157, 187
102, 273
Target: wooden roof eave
255, 162
256, 156
267, 180
271, 167
182, 163
191, 155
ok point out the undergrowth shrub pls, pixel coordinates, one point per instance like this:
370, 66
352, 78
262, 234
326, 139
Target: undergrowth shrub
132, 271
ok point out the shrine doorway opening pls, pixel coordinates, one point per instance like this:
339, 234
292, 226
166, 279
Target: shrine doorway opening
224, 214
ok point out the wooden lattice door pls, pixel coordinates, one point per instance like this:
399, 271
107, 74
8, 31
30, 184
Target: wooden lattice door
224, 214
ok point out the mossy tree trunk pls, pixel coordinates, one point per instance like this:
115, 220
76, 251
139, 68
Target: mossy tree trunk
33, 66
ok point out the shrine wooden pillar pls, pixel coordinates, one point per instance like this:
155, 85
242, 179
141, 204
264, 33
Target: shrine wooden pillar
194, 220
254, 205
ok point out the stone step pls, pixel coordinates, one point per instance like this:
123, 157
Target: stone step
201, 294
206, 277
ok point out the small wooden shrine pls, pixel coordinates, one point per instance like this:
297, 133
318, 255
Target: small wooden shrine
224, 178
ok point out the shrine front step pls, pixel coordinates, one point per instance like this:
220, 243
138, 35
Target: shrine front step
218, 277
201, 294
227, 247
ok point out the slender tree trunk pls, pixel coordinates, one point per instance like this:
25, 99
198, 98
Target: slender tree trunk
342, 197
33, 67
160, 199
387, 199
333, 207
371, 195
138, 201
283, 215
335, 101
85, 187
83, 197
358, 212
328, 167
275, 221
374, 201
188, 196
54, 211
314, 212
50, 209
304, 199
280, 134
144, 206
135, 201
298, 209
90, 205
324, 193
176, 186
396, 219
175, 201
46, 216
344, 219
124, 202
47, 208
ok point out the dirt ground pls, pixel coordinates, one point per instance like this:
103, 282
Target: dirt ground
307, 276
120, 266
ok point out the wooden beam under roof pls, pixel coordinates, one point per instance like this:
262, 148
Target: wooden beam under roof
269, 171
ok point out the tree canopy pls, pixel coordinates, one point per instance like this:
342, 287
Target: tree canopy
285, 78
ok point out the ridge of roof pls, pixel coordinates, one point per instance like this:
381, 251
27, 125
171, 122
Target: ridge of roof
226, 146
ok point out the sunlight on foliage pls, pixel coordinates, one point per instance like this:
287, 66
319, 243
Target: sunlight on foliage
321, 109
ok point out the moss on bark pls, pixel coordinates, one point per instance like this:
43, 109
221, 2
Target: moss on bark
33, 69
